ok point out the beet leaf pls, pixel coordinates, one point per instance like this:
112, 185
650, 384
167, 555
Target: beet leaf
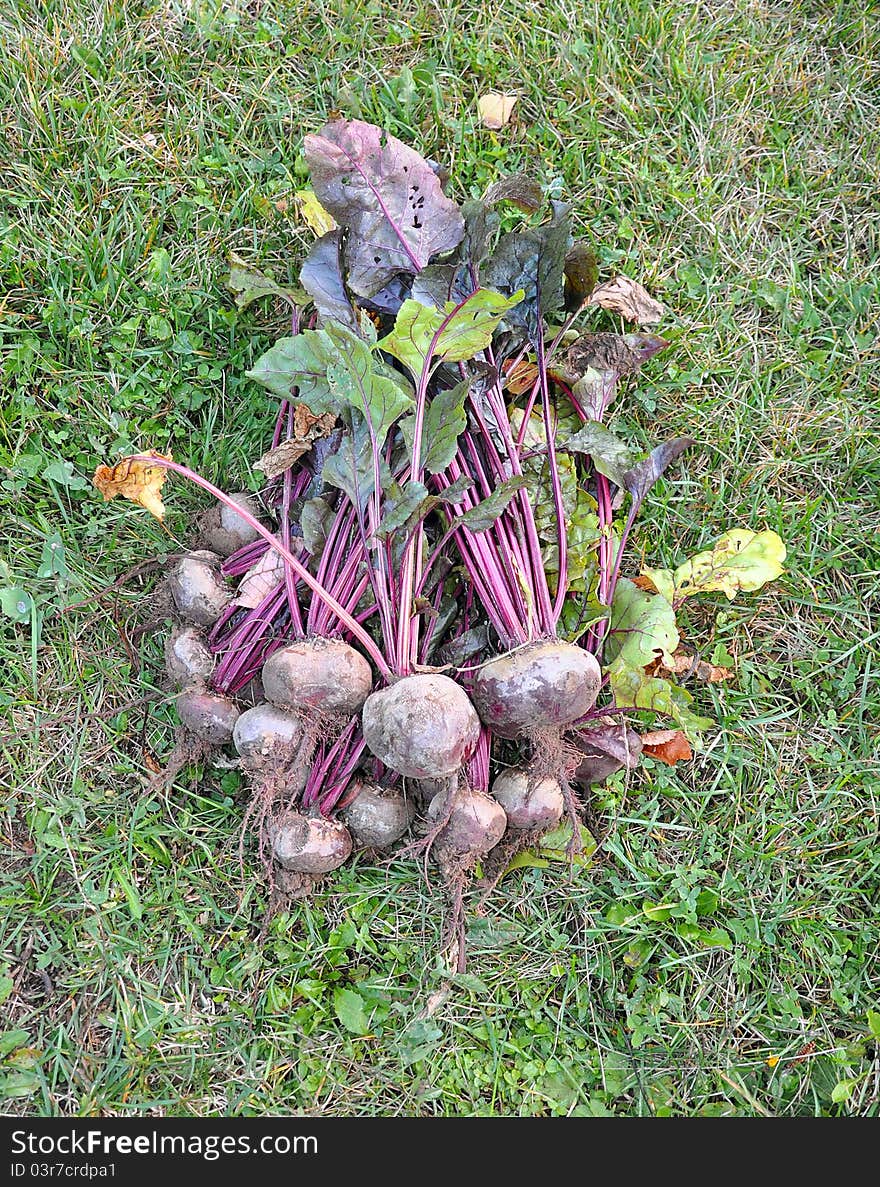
533, 261
386, 196
321, 277
457, 332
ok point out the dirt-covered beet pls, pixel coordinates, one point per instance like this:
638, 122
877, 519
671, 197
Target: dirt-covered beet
188, 661
423, 727
197, 588
326, 675
266, 734
224, 531
378, 816
544, 685
476, 823
530, 803
309, 844
209, 716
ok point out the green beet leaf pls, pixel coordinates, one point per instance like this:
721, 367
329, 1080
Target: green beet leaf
609, 454
353, 467
360, 381
404, 507
301, 362
458, 331
445, 421
642, 627
481, 517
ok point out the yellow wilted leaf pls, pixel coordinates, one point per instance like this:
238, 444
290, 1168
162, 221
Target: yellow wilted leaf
739, 560
496, 109
313, 213
135, 479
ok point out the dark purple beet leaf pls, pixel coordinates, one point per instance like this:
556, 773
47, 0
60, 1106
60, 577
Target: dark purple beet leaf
533, 261
639, 480
321, 277
581, 275
386, 196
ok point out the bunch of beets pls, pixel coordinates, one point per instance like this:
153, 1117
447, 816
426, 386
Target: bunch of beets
420, 630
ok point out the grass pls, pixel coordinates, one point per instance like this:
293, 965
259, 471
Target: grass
721, 956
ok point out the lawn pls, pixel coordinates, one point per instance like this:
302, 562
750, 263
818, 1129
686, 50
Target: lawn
720, 955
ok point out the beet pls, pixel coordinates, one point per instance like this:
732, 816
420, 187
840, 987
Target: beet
318, 674
476, 823
209, 716
545, 685
422, 726
197, 588
188, 661
378, 816
529, 803
310, 844
265, 733
224, 531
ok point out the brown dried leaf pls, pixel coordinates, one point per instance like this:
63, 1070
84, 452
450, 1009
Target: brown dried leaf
519, 189
520, 377
645, 583
629, 299
606, 352
135, 479
307, 428
260, 580
496, 109
670, 746
150, 761
282, 457
692, 665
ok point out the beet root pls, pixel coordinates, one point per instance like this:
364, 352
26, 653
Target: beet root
530, 803
326, 675
475, 824
544, 685
266, 734
197, 588
209, 716
224, 531
309, 844
378, 816
188, 661
423, 727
